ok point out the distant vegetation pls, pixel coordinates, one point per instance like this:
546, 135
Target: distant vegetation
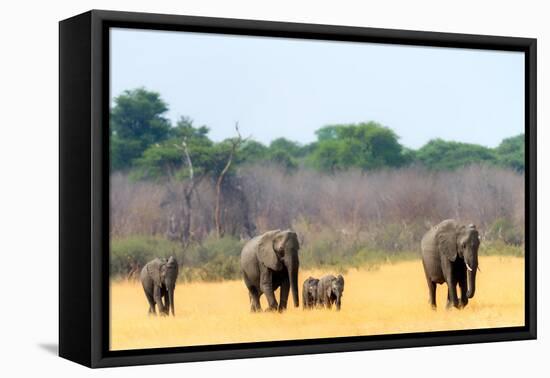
145, 142
355, 196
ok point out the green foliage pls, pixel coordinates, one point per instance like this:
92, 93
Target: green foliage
168, 157
365, 146
281, 152
329, 249
136, 123
511, 153
500, 248
504, 230
197, 254
212, 260
217, 269
440, 154
283, 159
252, 152
293, 149
139, 250
143, 140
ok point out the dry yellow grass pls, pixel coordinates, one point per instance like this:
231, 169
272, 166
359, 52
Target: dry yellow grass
392, 299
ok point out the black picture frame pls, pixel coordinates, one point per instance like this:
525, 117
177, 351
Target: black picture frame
84, 187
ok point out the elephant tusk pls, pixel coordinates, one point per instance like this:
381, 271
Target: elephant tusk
468, 266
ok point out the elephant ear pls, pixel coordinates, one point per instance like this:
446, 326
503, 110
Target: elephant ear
266, 251
446, 239
285, 238
153, 269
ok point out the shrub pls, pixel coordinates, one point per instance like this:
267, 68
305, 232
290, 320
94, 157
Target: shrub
212, 247
212, 260
500, 248
136, 251
503, 229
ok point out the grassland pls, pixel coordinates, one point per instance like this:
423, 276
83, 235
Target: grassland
387, 300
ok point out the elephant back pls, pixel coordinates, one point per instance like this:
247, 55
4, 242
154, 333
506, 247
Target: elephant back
324, 284
249, 261
260, 250
442, 238
152, 269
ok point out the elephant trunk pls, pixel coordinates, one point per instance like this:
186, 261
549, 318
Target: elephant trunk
338, 302
471, 281
171, 299
293, 278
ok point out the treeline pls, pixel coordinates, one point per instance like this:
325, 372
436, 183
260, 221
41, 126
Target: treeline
145, 142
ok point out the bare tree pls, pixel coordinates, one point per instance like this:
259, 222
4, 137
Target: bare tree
235, 143
381, 209
187, 192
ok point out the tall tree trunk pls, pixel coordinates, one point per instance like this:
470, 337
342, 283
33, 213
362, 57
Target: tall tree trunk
235, 143
187, 197
187, 211
217, 213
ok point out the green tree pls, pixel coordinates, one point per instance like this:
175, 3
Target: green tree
511, 152
365, 145
168, 157
252, 152
137, 121
440, 154
293, 149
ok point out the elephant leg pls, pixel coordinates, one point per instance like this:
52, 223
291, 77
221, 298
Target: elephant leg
285, 289
254, 300
452, 297
253, 294
151, 301
266, 285
166, 302
158, 299
463, 290
432, 287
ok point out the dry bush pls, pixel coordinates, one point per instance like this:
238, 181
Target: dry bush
387, 210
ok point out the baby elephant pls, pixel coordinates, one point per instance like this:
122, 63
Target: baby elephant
309, 293
330, 290
158, 278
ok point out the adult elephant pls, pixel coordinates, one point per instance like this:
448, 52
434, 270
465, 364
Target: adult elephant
449, 255
158, 278
270, 261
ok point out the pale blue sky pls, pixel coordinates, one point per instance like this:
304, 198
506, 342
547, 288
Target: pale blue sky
289, 87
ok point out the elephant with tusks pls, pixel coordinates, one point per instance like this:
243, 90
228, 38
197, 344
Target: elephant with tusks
449, 255
270, 261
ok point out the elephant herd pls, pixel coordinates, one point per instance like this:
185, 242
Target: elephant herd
323, 292
270, 261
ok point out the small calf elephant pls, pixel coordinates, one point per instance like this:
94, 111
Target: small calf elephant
309, 293
158, 278
330, 290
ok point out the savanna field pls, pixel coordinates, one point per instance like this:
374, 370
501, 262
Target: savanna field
393, 298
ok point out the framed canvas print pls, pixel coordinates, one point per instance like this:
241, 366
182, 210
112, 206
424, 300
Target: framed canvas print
235, 188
